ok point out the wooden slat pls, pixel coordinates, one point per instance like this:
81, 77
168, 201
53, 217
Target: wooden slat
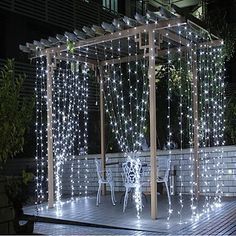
220, 221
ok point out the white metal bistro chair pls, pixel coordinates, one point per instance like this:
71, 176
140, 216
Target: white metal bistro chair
107, 180
164, 167
132, 176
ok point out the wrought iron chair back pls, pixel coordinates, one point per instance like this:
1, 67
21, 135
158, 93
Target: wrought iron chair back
132, 172
132, 177
164, 167
107, 180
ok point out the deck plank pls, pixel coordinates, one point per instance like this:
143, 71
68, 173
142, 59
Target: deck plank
220, 221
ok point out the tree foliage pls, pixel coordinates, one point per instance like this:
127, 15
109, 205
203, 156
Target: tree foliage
230, 121
176, 77
217, 22
15, 112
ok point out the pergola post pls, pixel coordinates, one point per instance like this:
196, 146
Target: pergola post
152, 114
102, 127
195, 131
49, 132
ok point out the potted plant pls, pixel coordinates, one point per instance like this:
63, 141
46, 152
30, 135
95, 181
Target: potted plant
17, 191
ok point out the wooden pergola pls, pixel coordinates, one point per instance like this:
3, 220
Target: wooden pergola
159, 29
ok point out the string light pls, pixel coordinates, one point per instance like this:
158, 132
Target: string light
70, 109
40, 130
126, 103
190, 127
206, 87
78, 122
220, 104
169, 97
37, 180
210, 64
84, 99
203, 124
109, 105
179, 62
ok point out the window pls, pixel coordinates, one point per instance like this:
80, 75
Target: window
110, 4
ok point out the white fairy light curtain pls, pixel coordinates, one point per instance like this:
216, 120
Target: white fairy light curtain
70, 119
125, 86
126, 99
208, 62
69, 126
41, 131
211, 128
125, 89
178, 72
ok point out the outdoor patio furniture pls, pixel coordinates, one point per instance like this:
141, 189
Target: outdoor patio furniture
142, 173
132, 177
164, 166
107, 180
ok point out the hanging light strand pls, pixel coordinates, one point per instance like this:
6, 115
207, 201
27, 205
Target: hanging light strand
40, 131
37, 132
84, 99
131, 95
43, 129
179, 64
78, 127
220, 124
206, 94
109, 107
145, 94
117, 95
214, 88
124, 122
169, 97
189, 61
123, 101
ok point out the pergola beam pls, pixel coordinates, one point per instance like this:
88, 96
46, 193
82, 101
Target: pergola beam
76, 58
119, 34
138, 57
175, 37
123, 59
214, 43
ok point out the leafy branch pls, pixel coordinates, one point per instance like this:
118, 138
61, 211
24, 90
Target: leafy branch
15, 112
217, 22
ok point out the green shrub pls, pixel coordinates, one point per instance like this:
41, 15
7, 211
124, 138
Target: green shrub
15, 112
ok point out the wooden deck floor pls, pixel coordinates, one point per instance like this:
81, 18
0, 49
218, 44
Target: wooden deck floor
85, 213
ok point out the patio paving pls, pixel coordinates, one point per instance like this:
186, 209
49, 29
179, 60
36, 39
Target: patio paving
108, 219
